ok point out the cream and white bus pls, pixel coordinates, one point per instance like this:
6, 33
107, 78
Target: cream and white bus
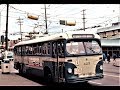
64, 57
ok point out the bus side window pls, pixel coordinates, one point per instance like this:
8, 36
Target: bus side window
60, 49
54, 54
48, 47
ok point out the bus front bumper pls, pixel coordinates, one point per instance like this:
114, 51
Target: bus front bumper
77, 80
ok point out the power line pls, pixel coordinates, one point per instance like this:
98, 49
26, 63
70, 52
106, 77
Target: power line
57, 7
59, 14
3, 8
52, 16
17, 9
25, 12
9, 16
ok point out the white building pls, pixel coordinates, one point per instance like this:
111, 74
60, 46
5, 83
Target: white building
110, 39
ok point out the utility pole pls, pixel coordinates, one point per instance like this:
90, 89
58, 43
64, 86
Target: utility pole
45, 20
20, 23
119, 14
83, 19
6, 32
0, 22
0, 27
46, 32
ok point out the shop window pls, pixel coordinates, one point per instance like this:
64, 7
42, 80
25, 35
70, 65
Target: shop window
110, 48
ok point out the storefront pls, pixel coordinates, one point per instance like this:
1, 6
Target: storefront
111, 46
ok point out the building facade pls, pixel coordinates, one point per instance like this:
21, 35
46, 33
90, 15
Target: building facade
110, 39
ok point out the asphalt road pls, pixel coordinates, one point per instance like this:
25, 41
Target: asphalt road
13, 79
111, 78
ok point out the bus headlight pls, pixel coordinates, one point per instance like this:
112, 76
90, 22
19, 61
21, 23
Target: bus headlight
69, 70
101, 67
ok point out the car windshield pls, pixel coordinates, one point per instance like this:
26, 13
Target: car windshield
83, 47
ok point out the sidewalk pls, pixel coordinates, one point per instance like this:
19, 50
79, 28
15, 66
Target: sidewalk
11, 68
116, 64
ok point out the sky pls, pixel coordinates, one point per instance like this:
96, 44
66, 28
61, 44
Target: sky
95, 14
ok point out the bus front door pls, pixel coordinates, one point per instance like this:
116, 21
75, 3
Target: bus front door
59, 66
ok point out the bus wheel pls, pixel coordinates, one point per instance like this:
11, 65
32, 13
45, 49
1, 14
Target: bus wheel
48, 76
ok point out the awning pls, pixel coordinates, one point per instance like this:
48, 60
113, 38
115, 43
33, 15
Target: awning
110, 42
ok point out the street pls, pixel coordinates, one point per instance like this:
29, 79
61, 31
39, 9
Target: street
111, 78
111, 75
13, 79
63, 43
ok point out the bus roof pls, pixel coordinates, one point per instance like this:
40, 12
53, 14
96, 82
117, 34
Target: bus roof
65, 35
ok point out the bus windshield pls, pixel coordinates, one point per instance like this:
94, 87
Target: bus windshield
80, 47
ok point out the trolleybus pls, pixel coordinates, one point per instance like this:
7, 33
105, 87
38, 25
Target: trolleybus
69, 57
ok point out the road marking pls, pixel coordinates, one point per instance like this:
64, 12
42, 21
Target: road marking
111, 75
95, 82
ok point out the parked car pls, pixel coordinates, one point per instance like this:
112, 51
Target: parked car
10, 55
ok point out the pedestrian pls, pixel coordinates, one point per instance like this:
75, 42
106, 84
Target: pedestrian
108, 58
114, 57
104, 57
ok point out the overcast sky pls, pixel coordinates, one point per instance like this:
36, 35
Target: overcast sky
95, 14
